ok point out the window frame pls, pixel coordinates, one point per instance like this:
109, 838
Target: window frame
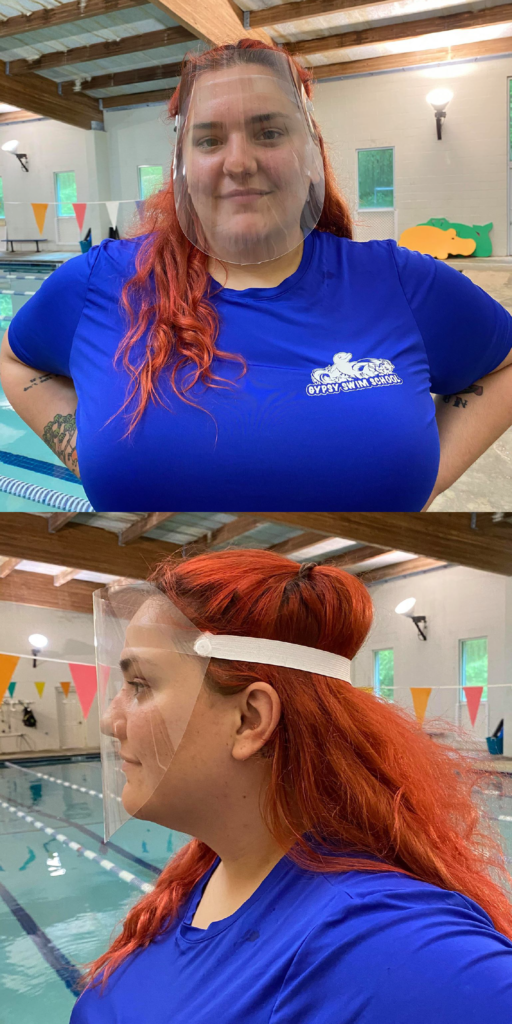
462, 695
374, 209
60, 203
376, 678
140, 167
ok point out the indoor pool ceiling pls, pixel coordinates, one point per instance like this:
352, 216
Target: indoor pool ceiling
73, 59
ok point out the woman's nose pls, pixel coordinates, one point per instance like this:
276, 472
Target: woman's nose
238, 157
113, 721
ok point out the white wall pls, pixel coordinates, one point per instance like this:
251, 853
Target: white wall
463, 177
135, 137
459, 604
70, 636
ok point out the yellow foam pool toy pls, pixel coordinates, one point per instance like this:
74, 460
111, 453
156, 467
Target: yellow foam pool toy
435, 242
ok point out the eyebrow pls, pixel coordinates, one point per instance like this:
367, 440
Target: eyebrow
127, 663
254, 119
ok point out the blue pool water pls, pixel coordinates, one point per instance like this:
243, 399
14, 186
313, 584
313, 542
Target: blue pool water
23, 456
58, 909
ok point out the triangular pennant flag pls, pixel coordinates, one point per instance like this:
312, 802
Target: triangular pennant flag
39, 687
65, 687
473, 697
420, 698
84, 678
40, 215
365, 689
11, 688
139, 203
8, 664
113, 210
79, 209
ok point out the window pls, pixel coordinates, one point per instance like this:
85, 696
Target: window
510, 117
65, 193
2, 210
375, 179
383, 673
473, 665
151, 180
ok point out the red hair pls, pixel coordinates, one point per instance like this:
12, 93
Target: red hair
348, 772
168, 294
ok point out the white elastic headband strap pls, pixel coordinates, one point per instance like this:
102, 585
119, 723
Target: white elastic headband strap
273, 652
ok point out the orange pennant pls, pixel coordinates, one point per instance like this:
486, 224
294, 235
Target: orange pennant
40, 215
365, 689
65, 687
420, 698
473, 697
8, 664
80, 209
39, 687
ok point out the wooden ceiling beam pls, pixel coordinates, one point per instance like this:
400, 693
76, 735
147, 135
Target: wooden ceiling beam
447, 536
356, 556
57, 520
134, 99
41, 96
302, 540
215, 21
406, 29
24, 535
37, 589
144, 525
102, 51
408, 568
368, 65
223, 535
152, 73
51, 17
280, 13
7, 566
64, 576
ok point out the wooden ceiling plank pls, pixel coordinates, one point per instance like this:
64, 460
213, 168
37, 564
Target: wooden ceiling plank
135, 99
447, 536
406, 29
144, 525
356, 556
223, 535
37, 589
280, 13
51, 17
65, 576
152, 73
24, 535
389, 572
41, 96
215, 21
448, 54
102, 51
7, 566
59, 519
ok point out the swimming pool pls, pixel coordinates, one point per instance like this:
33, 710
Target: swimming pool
59, 905
32, 478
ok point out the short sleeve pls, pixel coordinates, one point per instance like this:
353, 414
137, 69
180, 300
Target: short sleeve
41, 333
466, 332
398, 958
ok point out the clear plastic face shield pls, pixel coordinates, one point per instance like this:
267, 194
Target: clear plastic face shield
248, 171
151, 662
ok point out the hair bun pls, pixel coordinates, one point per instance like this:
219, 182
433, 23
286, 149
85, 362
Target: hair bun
306, 567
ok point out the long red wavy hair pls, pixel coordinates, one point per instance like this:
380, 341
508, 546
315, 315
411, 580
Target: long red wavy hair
348, 772
168, 295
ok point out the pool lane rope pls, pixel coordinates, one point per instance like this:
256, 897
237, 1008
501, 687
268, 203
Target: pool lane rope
107, 865
44, 495
60, 782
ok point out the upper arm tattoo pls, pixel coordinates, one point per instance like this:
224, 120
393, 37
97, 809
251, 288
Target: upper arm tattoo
460, 402
60, 435
34, 381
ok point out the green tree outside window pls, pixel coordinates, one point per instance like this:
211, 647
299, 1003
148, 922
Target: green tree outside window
2, 209
474, 665
65, 193
151, 180
384, 673
375, 176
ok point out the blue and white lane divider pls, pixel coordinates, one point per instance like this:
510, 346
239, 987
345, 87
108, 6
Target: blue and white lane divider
51, 778
9, 291
107, 865
44, 495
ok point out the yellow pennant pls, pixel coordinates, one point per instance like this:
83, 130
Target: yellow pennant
420, 699
65, 687
365, 689
39, 687
40, 215
8, 664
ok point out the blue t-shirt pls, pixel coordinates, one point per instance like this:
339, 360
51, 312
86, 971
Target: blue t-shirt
335, 412
352, 948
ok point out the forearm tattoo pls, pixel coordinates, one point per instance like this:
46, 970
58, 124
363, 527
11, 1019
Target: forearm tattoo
458, 401
34, 381
60, 435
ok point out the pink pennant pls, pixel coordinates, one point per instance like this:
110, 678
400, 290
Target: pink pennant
80, 209
84, 678
473, 697
103, 681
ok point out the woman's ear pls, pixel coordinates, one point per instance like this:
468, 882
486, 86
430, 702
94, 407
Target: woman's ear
259, 713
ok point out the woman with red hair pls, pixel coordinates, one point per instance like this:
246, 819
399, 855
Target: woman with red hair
340, 870
240, 350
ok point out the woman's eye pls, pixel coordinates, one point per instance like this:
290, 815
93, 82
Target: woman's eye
208, 143
271, 134
138, 685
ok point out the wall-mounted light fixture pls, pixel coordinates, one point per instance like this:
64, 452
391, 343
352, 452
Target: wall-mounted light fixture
38, 641
405, 609
12, 147
439, 100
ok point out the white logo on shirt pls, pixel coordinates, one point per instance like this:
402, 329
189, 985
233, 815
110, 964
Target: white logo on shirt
347, 374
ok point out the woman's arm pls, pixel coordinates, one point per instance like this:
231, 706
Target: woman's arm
470, 421
45, 402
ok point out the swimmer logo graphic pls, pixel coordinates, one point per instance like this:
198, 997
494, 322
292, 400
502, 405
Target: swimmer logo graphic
346, 374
